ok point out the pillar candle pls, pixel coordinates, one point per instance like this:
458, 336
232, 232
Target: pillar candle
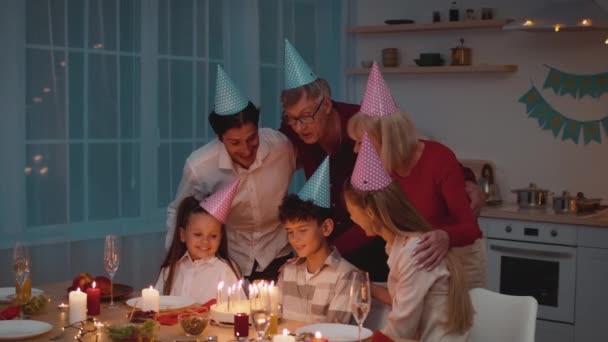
284, 338
241, 325
93, 300
150, 300
78, 306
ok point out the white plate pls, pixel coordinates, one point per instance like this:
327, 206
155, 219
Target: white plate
166, 302
7, 294
21, 329
336, 332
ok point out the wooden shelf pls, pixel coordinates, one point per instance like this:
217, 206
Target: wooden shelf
450, 69
449, 25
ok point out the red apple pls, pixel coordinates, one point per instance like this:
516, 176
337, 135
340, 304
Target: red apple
103, 283
82, 281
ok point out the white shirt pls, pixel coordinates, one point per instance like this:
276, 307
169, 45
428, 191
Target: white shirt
253, 227
198, 279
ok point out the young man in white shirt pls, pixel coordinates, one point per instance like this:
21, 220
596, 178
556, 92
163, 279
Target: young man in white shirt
264, 159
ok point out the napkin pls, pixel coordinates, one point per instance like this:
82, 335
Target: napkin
9, 313
171, 318
380, 337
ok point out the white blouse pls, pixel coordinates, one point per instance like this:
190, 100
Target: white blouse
198, 279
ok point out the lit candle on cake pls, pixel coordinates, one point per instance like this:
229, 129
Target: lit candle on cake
93, 300
150, 299
229, 297
284, 338
239, 289
78, 306
220, 289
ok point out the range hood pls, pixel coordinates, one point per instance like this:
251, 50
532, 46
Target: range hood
564, 16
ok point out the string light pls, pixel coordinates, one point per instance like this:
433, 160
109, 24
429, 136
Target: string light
528, 23
606, 41
586, 22
557, 27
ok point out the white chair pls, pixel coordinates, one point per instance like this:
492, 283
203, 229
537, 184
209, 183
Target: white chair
503, 318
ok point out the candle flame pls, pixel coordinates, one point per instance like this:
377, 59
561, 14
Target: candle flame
586, 22
528, 23
557, 27
151, 288
94, 285
285, 332
606, 41
318, 334
78, 289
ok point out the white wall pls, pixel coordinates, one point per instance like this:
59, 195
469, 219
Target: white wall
478, 115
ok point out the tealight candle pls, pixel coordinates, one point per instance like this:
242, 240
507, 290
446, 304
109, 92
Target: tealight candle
63, 307
284, 338
78, 306
150, 299
93, 300
319, 338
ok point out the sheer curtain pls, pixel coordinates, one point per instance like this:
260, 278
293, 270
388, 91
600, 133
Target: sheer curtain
102, 101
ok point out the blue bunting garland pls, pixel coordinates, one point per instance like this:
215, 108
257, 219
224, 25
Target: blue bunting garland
576, 85
550, 119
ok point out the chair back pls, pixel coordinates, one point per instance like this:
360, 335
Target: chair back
503, 318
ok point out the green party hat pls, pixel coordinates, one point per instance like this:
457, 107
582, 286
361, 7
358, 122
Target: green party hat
228, 99
317, 187
297, 72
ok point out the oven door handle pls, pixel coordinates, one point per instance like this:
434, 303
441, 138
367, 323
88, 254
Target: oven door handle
529, 252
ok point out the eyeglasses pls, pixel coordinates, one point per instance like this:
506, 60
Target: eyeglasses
304, 120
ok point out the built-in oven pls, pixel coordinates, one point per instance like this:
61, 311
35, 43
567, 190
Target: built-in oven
534, 259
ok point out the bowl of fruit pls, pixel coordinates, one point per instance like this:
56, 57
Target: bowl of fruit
130, 332
34, 305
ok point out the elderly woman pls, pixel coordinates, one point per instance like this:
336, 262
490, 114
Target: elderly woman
431, 177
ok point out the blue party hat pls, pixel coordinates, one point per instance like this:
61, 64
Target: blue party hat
297, 72
317, 187
228, 99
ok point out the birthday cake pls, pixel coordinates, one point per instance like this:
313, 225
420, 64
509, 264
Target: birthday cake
221, 314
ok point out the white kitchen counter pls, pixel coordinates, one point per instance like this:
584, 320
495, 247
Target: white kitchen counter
511, 211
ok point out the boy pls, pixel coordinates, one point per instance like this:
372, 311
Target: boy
316, 287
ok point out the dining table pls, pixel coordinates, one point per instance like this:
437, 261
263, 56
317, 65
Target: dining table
58, 318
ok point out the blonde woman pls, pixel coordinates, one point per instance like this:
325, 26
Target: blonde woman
427, 305
430, 176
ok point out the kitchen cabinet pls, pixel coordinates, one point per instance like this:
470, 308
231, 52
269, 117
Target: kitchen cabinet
592, 285
495, 24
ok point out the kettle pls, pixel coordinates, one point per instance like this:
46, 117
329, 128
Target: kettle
488, 186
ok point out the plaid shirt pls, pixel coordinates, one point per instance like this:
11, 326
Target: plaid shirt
322, 298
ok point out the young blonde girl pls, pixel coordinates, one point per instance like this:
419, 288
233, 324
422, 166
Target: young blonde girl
430, 305
197, 259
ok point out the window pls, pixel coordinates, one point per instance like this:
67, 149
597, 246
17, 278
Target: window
116, 95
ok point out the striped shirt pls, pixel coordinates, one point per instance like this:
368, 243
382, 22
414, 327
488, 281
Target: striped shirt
324, 297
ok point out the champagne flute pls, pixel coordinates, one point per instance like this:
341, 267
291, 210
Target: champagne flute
21, 267
360, 297
111, 262
259, 303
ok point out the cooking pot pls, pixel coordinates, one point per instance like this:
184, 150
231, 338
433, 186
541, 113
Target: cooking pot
531, 197
565, 203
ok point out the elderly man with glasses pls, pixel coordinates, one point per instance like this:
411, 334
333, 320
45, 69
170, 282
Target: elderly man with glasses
316, 126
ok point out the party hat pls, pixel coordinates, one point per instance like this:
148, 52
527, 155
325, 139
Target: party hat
228, 99
218, 204
317, 187
297, 72
377, 100
369, 172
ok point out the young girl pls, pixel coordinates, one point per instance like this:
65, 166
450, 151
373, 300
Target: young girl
197, 259
430, 305
434, 303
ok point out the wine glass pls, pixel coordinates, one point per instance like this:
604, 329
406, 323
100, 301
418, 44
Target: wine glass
111, 262
360, 297
259, 305
21, 267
